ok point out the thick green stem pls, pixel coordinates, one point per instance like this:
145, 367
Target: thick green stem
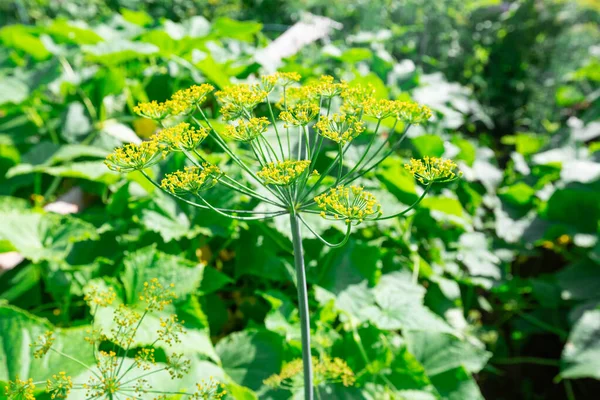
302, 306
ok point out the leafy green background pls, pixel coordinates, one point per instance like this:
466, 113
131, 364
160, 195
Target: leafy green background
490, 290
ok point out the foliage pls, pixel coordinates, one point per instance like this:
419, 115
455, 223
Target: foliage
489, 289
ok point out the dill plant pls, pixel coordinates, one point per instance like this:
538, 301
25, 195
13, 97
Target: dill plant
116, 376
281, 172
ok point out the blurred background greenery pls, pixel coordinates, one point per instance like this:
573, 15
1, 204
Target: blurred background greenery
505, 304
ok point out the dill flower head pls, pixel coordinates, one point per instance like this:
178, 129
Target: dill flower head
192, 180
239, 100
181, 136
247, 131
194, 95
327, 88
351, 204
340, 128
300, 114
210, 389
268, 82
380, 109
20, 390
178, 366
59, 386
326, 370
43, 344
134, 157
156, 296
356, 97
283, 173
298, 94
94, 296
153, 110
144, 359
170, 329
412, 113
431, 170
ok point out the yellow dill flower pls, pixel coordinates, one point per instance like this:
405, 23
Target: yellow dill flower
380, 109
156, 295
194, 95
210, 389
300, 114
351, 204
340, 128
134, 157
356, 97
326, 370
283, 78
412, 113
20, 390
170, 329
283, 173
97, 297
240, 100
433, 170
59, 386
327, 88
297, 95
247, 131
144, 359
192, 180
178, 366
153, 110
181, 137
43, 344
94, 337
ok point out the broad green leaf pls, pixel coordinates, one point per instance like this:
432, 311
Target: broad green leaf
249, 357
20, 37
519, 194
118, 51
429, 145
356, 54
569, 95
441, 352
138, 17
456, 384
44, 236
19, 329
12, 90
562, 206
148, 263
581, 355
68, 32
580, 280
241, 30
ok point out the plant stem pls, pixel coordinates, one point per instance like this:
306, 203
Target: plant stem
302, 305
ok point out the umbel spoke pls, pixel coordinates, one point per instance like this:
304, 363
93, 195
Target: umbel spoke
285, 169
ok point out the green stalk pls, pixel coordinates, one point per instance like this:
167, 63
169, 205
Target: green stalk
302, 305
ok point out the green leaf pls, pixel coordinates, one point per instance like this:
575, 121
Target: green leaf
519, 194
138, 17
249, 357
581, 355
356, 54
560, 208
580, 280
262, 256
241, 30
148, 263
457, 384
12, 90
18, 329
20, 37
429, 145
567, 96
66, 32
441, 352
118, 51
44, 236
213, 280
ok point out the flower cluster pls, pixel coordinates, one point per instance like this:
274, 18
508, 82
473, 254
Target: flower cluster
356, 98
115, 374
431, 170
247, 131
156, 295
351, 204
240, 100
182, 102
134, 157
340, 128
192, 180
412, 113
283, 173
300, 114
181, 137
282, 78
326, 370
59, 386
